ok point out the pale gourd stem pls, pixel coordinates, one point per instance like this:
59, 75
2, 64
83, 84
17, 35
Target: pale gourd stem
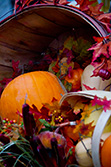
87, 150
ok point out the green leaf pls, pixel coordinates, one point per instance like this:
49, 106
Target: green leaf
68, 43
50, 67
45, 123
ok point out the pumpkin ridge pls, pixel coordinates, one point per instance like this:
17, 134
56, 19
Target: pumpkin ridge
54, 91
37, 88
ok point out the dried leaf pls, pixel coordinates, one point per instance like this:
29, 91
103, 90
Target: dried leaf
86, 112
96, 10
106, 104
84, 4
101, 49
105, 20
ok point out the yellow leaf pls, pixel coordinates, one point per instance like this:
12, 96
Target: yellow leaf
69, 43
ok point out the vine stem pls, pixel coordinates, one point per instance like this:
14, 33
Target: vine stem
72, 123
87, 150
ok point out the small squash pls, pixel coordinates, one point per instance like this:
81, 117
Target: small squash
106, 153
40, 87
83, 150
82, 156
92, 82
75, 78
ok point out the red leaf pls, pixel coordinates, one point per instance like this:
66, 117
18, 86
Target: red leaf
105, 19
98, 39
15, 66
95, 10
84, 4
5, 81
101, 49
102, 102
43, 113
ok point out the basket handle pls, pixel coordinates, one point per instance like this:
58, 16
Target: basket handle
97, 136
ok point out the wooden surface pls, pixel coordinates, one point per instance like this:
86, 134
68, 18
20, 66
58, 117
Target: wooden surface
27, 34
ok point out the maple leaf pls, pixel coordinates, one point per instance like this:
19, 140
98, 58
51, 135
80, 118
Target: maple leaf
68, 43
105, 21
101, 49
100, 39
86, 112
104, 64
87, 129
16, 70
20, 4
43, 113
96, 101
84, 4
79, 105
106, 104
89, 88
55, 66
65, 65
95, 10
83, 129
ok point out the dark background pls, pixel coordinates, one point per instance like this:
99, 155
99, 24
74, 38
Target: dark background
6, 8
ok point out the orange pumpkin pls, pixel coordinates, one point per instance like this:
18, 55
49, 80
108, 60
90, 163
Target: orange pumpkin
40, 87
75, 78
106, 153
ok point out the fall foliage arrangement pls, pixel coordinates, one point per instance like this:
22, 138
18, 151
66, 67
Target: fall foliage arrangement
43, 132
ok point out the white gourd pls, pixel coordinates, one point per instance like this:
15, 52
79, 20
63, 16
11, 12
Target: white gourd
92, 82
82, 157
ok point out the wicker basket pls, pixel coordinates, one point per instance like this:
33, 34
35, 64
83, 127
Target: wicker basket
27, 34
72, 97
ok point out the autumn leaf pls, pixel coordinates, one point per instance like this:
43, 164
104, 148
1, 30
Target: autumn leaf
99, 65
95, 10
84, 4
65, 65
83, 129
105, 21
86, 112
5, 81
16, 70
55, 66
87, 129
68, 43
104, 103
101, 49
100, 39
102, 68
43, 113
